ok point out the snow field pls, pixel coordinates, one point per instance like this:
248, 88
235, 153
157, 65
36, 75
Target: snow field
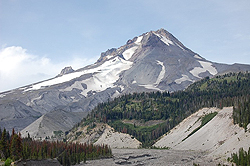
107, 75
103, 76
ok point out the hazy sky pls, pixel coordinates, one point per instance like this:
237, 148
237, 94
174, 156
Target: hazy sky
40, 37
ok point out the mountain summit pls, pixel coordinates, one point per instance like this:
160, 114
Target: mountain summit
147, 41
153, 61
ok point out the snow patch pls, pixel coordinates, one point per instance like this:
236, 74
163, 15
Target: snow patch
37, 98
138, 40
164, 39
129, 52
2, 95
196, 71
162, 73
73, 99
182, 79
149, 86
122, 87
197, 56
109, 56
22, 88
206, 66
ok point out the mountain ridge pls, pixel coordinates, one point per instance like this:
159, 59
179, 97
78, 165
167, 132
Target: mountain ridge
153, 61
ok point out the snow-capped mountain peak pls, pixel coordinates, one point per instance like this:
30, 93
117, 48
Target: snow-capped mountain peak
153, 61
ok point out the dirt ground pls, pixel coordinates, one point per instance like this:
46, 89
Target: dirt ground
47, 162
156, 157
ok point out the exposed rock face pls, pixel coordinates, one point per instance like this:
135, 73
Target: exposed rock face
66, 70
153, 61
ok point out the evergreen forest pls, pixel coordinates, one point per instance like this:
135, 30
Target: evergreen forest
13, 148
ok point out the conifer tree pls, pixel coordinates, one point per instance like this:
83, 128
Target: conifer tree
13, 147
3, 145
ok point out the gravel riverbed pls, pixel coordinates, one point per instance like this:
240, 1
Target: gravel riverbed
156, 157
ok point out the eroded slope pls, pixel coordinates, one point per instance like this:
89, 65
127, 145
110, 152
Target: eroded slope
219, 137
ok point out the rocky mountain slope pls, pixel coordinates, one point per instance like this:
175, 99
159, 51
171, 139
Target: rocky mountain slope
219, 137
100, 133
53, 125
153, 61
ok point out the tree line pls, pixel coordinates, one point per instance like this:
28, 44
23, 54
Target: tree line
15, 147
231, 89
242, 158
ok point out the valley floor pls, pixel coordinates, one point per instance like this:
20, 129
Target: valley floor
158, 157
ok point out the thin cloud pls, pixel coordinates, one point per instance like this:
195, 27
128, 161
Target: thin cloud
18, 67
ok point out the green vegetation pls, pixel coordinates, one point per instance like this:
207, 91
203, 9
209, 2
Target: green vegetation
58, 133
231, 89
162, 148
241, 114
145, 134
7, 162
205, 119
13, 147
242, 158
